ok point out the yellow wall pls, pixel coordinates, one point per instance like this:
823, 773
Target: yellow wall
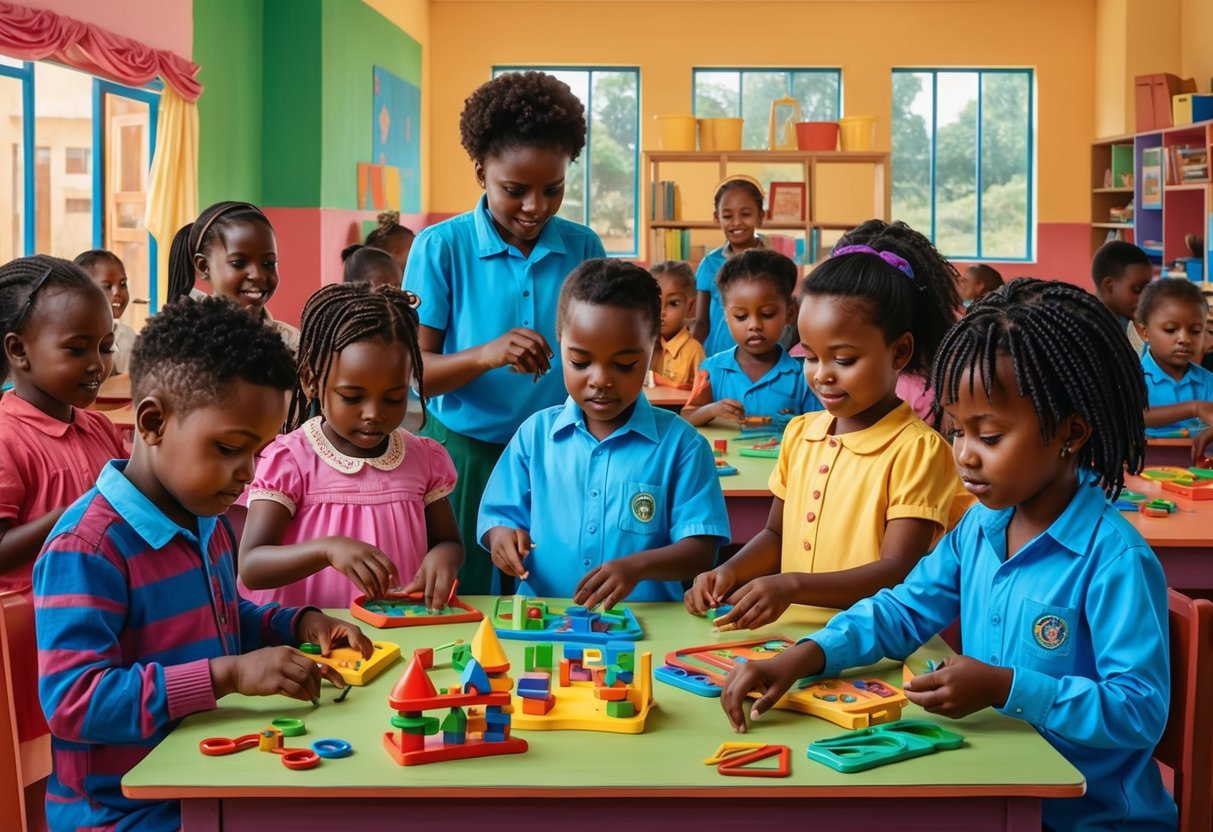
666, 38
1196, 41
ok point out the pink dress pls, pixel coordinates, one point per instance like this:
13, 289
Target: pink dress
381, 501
912, 389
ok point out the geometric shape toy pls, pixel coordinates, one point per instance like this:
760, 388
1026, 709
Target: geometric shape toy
737, 765
572, 623
578, 707
883, 744
356, 670
400, 610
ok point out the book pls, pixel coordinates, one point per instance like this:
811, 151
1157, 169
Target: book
1151, 177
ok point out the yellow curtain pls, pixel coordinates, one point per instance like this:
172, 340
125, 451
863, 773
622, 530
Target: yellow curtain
172, 193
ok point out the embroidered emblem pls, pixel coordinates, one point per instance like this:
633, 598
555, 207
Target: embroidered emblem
644, 506
1050, 631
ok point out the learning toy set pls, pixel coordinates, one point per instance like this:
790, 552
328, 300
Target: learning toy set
532, 619
592, 688
734, 759
719, 450
410, 611
350, 664
883, 744
766, 449
270, 739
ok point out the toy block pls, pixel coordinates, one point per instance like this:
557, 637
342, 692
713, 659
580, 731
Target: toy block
591, 655
615, 649
486, 649
269, 740
538, 707
476, 722
496, 722
410, 742
425, 655
528, 654
518, 618
625, 676
456, 721
611, 694
534, 624
493, 736
460, 655
449, 738
573, 652
579, 675
475, 679
612, 673
414, 683
492, 709
535, 679
621, 709
543, 656
565, 674
501, 684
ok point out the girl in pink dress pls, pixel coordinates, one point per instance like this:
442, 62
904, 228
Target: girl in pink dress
350, 488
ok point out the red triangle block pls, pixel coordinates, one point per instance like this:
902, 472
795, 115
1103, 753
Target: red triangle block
737, 766
414, 683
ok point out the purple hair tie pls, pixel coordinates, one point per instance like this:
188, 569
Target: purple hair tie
894, 260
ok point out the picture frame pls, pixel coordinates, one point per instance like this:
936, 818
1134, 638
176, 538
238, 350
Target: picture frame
787, 202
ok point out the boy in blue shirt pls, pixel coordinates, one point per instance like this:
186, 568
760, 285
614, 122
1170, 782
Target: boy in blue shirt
1171, 320
1062, 605
605, 497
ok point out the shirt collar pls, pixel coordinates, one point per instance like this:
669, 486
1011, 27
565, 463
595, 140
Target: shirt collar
1157, 375
389, 460
1074, 528
489, 242
870, 440
642, 421
785, 364
675, 344
23, 411
152, 524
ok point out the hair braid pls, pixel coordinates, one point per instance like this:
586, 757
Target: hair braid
18, 278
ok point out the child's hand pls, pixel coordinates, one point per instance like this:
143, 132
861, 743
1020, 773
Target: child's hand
367, 568
962, 686
607, 585
1200, 443
525, 350
318, 628
508, 547
728, 410
435, 578
758, 603
770, 677
269, 671
709, 590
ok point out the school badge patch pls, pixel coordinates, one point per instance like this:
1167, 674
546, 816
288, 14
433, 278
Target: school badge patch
1050, 631
644, 505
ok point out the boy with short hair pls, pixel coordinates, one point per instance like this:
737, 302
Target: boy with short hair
676, 363
1120, 272
137, 615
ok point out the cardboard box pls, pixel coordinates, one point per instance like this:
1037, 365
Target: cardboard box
1154, 94
1190, 107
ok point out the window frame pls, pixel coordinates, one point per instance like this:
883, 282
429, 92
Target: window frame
590, 69
25, 74
1030, 223
789, 71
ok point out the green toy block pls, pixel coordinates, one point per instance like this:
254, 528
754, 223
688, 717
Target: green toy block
621, 710
456, 722
416, 724
626, 661
534, 624
543, 656
518, 611
529, 658
460, 656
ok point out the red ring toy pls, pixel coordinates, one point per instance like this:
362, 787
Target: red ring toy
300, 758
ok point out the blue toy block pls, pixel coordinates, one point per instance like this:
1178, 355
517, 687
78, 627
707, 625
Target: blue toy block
616, 650
625, 676
491, 720
451, 738
493, 736
573, 652
679, 678
474, 678
492, 709
533, 693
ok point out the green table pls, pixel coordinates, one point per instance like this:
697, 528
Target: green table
994, 782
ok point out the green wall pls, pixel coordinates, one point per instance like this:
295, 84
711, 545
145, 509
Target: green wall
291, 141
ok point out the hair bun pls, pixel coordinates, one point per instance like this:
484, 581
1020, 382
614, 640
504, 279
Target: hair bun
388, 219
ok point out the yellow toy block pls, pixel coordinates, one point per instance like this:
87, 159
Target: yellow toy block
269, 739
577, 708
356, 670
500, 683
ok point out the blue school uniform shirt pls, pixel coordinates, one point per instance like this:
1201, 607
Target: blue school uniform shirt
1080, 613
475, 287
782, 389
718, 338
651, 483
1195, 386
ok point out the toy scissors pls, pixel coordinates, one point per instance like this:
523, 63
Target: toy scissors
292, 758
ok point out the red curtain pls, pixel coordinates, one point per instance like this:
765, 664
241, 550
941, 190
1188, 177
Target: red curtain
35, 34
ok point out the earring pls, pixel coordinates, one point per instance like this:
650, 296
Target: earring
1066, 449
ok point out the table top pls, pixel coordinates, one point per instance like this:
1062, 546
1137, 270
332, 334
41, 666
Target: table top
115, 389
1002, 756
1190, 526
666, 396
753, 472
122, 417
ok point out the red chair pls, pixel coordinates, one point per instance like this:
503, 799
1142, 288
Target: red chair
1186, 746
25, 750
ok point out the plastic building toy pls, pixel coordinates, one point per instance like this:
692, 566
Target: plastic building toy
349, 662
479, 720
598, 688
332, 749
269, 739
755, 426
1194, 489
729, 749
696, 683
1168, 473
883, 744
532, 619
289, 726
766, 449
851, 703
737, 764
723, 469
409, 611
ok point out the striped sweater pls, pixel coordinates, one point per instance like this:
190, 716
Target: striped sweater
130, 608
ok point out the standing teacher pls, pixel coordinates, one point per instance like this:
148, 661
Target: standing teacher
489, 281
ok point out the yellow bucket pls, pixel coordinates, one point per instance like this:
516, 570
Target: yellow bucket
675, 132
857, 132
720, 133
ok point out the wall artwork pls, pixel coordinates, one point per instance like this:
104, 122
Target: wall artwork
396, 142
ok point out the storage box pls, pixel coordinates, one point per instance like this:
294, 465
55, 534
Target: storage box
1194, 267
1190, 107
1154, 94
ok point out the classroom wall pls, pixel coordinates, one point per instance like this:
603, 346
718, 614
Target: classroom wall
867, 40
1196, 42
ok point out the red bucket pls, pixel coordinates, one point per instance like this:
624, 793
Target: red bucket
817, 135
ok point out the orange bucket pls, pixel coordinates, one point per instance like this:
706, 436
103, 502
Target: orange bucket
817, 135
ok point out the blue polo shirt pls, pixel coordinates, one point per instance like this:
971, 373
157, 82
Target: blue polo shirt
1080, 613
475, 287
718, 338
782, 390
1195, 386
651, 483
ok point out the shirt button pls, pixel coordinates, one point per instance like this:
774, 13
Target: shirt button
995, 620
824, 469
1019, 710
810, 517
594, 493
592, 529
833, 444
993, 658
585, 562
807, 545
526, 323
816, 495
526, 293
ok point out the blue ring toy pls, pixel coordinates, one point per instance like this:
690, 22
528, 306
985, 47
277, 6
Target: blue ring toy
332, 749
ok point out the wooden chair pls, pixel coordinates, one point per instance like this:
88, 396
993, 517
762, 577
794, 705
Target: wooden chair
1186, 746
25, 750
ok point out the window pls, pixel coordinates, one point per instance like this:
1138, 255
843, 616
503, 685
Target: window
963, 159
75, 159
602, 185
749, 92
78, 205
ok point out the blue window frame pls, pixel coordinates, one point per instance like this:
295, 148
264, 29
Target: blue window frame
748, 92
602, 188
24, 73
964, 160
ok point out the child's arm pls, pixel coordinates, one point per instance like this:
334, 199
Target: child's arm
1169, 414
504, 523
701, 407
436, 576
703, 322
610, 583
19, 545
761, 556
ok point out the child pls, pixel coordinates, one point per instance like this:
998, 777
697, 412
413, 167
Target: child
757, 377
1171, 321
231, 246
738, 210
109, 274
605, 497
976, 282
678, 361
863, 490
350, 488
396, 239
366, 264
1054, 588
490, 279
58, 345
137, 615
1121, 271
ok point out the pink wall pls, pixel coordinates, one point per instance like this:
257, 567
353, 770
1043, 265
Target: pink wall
1063, 252
162, 24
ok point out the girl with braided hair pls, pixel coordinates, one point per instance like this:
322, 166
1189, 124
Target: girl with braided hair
1062, 605
346, 486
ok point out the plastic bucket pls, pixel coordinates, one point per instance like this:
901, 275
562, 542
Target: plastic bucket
858, 132
675, 132
817, 135
720, 133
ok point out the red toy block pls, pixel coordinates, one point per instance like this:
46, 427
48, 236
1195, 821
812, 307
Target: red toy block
414, 684
565, 672
538, 707
425, 655
611, 694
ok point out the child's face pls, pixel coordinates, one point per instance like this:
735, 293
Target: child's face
848, 364
970, 285
242, 264
677, 302
67, 349
757, 313
606, 351
524, 187
1175, 332
365, 396
1207, 346
1121, 294
739, 217
112, 279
